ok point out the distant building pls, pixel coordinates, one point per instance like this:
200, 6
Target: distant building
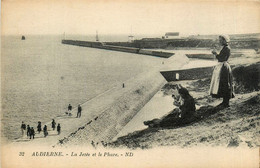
171, 34
131, 38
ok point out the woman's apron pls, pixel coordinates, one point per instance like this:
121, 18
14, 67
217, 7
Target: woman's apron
214, 85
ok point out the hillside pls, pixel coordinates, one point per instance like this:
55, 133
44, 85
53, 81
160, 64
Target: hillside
235, 126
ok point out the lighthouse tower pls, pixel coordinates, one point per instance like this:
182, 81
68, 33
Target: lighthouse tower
131, 38
97, 39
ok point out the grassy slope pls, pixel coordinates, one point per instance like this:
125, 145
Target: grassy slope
234, 126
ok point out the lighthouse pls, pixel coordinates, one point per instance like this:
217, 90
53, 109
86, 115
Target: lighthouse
97, 36
131, 37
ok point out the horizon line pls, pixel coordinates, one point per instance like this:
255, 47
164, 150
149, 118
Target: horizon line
125, 34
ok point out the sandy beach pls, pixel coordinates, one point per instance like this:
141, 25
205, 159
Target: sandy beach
108, 112
97, 109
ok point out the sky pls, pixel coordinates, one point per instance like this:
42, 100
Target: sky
124, 17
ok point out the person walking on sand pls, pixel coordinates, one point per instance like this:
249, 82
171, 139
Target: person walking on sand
53, 124
32, 133
58, 129
23, 128
45, 132
39, 127
69, 109
221, 85
79, 111
28, 130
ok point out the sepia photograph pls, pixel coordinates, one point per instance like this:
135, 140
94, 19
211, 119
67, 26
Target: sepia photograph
127, 83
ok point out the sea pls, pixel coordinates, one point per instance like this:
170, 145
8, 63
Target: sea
40, 76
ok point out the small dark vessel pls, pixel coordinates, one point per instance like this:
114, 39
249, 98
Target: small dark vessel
23, 37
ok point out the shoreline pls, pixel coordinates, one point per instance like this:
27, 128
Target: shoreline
119, 103
101, 105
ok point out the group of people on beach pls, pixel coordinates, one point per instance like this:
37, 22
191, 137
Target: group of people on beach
30, 132
70, 109
221, 86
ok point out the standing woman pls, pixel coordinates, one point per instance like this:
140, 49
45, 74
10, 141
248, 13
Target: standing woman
221, 81
53, 124
23, 128
28, 130
39, 127
45, 131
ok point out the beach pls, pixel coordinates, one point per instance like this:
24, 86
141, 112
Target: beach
41, 77
109, 112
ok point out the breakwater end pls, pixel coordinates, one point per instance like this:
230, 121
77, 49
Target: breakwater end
101, 45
